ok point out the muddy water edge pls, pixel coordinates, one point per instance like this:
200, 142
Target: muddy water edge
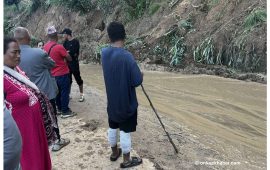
229, 116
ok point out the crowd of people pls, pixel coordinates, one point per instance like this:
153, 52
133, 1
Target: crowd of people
37, 85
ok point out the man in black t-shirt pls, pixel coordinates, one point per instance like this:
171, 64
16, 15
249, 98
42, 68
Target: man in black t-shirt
72, 45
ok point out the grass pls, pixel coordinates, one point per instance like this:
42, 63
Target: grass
82, 6
153, 8
134, 13
255, 18
213, 3
204, 53
186, 24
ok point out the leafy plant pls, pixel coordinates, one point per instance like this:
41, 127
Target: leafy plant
255, 18
82, 6
213, 3
159, 51
136, 12
171, 48
34, 41
186, 24
177, 51
8, 26
132, 41
204, 53
98, 51
153, 8
105, 6
16, 15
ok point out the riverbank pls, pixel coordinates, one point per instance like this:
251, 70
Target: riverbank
205, 128
214, 70
220, 71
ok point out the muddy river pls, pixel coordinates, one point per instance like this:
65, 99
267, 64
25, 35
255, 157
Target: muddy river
229, 109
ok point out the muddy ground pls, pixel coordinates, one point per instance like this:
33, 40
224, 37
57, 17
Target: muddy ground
89, 148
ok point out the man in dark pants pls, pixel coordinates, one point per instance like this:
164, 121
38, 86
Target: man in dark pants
37, 65
72, 45
122, 75
61, 71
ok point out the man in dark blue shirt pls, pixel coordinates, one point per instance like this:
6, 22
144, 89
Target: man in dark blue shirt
122, 75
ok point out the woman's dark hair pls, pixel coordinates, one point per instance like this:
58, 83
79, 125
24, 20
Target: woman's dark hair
7, 41
116, 31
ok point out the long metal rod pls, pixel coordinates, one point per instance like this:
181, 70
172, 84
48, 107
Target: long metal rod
170, 139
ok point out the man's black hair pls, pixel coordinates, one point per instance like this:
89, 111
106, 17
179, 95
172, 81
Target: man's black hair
116, 31
7, 41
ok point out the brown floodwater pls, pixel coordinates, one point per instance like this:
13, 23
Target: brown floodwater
230, 109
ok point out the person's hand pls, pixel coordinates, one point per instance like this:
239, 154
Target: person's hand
142, 73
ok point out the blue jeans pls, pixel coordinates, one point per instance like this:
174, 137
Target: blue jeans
62, 98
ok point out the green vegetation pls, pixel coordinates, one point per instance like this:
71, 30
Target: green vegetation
237, 52
98, 51
255, 18
171, 48
34, 41
13, 15
8, 26
154, 8
82, 6
177, 51
134, 9
234, 55
105, 6
204, 53
213, 3
12, 2
132, 42
186, 24
238, 56
137, 11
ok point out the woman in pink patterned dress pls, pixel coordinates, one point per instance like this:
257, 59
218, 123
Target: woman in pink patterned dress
30, 109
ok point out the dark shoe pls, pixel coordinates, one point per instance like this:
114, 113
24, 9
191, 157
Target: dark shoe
68, 114
60, 144
114, 158
134, 161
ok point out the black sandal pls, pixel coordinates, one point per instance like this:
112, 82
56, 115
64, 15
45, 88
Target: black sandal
115, 158
133, 162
